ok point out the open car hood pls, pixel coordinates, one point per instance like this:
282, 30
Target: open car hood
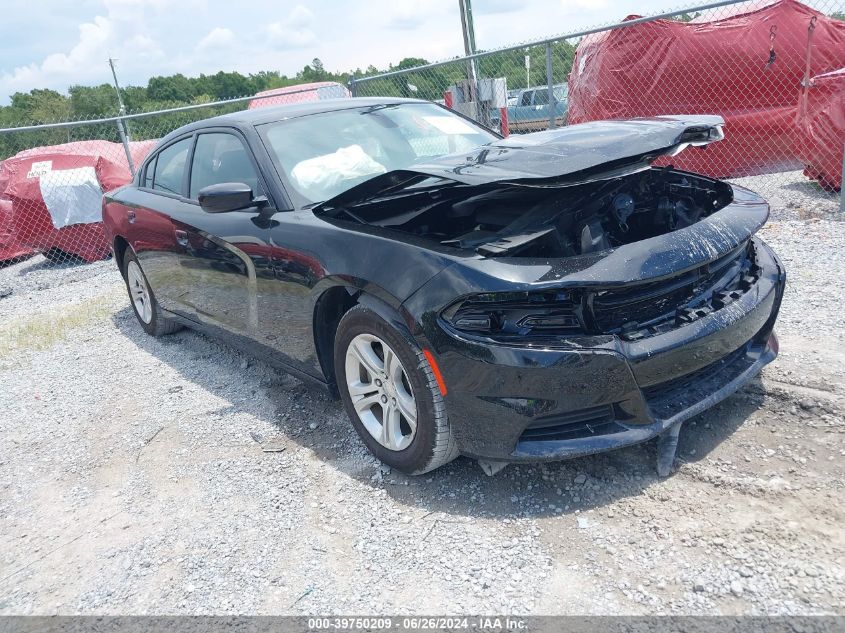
570, 155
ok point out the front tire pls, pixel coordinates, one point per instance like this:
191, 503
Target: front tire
143, 301
391, 395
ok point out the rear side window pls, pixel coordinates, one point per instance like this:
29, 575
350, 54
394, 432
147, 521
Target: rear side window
541, 97
148, 175
170, 167
526, 98
219, 158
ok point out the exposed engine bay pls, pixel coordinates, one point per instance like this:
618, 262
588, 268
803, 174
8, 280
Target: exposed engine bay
540, 220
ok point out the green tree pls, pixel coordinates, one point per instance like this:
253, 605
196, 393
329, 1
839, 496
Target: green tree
173, 88
315, 72
41, 106
687, 17
92, 102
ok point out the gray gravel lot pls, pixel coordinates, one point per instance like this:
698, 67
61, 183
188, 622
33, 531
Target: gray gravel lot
175, 475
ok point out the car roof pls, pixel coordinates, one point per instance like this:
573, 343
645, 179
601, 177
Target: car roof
249, 118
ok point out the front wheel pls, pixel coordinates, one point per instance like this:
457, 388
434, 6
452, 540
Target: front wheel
391, 395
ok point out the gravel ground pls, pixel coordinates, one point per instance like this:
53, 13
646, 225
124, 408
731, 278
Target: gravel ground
162, 476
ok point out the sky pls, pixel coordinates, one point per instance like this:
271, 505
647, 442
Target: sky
59, 43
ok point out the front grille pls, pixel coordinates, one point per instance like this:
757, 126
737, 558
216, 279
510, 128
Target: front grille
573, 425
632, 310
673, 396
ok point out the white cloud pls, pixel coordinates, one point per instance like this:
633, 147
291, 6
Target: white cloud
217, 39
579, 6
300, 17
112, 35
293, 32
410, 14
498, 6
60, 44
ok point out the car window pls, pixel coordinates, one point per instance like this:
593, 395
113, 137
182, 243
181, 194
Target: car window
325, 154
561, 92
541, 97
221, 157
170, 167
148, 175
526, 98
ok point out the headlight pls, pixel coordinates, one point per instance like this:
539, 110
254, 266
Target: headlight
517, 314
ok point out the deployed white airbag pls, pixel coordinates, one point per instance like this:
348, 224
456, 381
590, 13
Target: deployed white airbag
320, 177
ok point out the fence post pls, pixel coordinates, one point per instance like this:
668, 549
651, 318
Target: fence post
550, 82
353, 88
122, 132
842, 184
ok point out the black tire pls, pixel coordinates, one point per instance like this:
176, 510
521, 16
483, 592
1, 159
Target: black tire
433, 444
159, 325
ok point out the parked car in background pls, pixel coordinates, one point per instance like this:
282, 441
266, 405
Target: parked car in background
531, 110
522, 299
300, 93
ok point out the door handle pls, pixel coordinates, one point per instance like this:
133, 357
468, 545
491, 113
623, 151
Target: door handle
130, 216
181, 237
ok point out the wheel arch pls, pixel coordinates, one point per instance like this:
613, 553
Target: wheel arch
334, 302
119, 247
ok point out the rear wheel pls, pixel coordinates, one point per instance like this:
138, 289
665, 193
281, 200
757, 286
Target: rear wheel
143, 301
391, 395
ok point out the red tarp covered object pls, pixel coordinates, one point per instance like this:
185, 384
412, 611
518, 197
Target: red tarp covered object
711, 67
75, 176
821, 140
10, 246
301, 93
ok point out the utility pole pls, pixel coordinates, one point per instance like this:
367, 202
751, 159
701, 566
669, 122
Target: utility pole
468, 29
121, 127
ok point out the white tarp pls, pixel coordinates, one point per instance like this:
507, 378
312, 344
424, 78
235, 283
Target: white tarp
72, 196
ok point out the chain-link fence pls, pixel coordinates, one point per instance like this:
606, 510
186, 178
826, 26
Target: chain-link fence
769, 68
52, 177
773, 70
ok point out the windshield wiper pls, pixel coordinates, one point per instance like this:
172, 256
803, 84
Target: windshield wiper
379, 106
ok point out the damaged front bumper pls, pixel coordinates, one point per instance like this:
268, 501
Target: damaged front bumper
514, 403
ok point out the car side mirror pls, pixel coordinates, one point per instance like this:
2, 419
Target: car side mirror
227, 196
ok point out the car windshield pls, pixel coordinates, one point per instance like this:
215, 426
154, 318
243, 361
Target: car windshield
561, 92
325, 154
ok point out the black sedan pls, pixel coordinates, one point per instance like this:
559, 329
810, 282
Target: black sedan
530, 298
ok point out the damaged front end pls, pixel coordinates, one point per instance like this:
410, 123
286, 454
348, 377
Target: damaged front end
555, 220
580, 190
596, 301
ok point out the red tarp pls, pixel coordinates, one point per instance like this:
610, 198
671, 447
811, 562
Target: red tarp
10, 246
711, 67
301, 93
32, 222
821, 140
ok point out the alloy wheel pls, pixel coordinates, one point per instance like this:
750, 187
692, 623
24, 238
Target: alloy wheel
381, 392
139, 292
